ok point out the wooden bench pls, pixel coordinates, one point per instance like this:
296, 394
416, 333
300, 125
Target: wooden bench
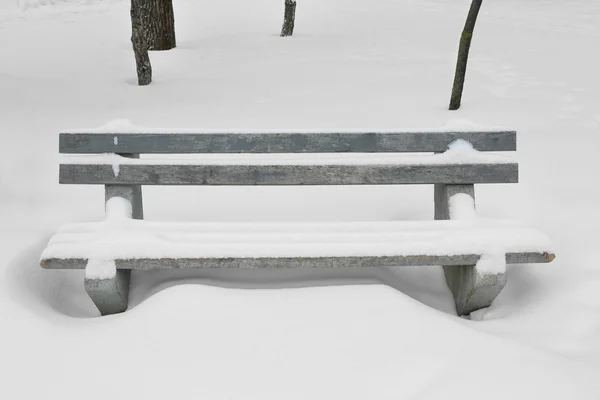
473, 251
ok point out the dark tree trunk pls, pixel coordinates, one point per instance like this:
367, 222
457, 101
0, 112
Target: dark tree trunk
463, 55
138, 39
160, 22
288, 18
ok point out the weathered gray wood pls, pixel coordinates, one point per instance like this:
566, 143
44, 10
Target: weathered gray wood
300, 262
471, 287
132, 193
368, 142
287, 174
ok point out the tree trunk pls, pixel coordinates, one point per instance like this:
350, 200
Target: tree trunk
463, 55
138, 39
159, 20
288, 18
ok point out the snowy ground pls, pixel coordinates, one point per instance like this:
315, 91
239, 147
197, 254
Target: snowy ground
351, 64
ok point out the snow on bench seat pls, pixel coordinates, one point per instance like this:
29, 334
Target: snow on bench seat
148, 244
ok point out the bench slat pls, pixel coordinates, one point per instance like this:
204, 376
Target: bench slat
300, 262
380, 174
284, 142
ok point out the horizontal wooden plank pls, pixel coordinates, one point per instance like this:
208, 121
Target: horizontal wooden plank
380, 174
303, 262
284, 142
160, 244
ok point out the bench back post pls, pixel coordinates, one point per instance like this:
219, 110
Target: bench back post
442, 194
131, 193
473, 287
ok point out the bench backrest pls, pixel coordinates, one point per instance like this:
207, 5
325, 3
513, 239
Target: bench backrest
113, 170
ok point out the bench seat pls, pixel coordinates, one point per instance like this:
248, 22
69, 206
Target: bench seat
140, 244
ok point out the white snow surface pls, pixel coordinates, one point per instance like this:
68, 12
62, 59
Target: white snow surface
373, 333
98, 268
125, 126
462, 207
118, 210
492, 263
130, 239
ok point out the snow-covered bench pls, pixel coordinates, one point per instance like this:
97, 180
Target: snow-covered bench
473, 251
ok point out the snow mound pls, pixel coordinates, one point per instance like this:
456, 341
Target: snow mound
121, 125
27, 4
492, 263
462, 207
100, 269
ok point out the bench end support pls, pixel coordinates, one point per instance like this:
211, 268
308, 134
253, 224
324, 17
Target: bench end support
473, 286
109, 292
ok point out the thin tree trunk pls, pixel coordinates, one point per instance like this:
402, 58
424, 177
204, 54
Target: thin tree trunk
160, 24
138, 40
463, 55
288, 18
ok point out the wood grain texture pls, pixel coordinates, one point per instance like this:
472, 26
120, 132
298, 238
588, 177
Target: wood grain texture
218, 175
300, 262
368, 142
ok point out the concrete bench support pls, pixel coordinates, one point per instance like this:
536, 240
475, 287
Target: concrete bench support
110, 294
473, 286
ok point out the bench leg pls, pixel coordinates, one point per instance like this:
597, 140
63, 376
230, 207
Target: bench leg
107, 286
473, 286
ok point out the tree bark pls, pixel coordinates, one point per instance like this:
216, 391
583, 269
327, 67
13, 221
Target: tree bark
463, 55
288, 18
159, 20
139, 42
